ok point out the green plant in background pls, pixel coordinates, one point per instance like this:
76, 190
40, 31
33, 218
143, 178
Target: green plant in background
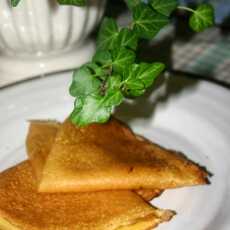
64, 2
114, 73
201, 18
14, 2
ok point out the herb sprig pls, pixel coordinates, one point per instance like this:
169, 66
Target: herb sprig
114, 73
14, 3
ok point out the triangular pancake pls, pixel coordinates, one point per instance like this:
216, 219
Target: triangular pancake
148, 194
39, 143
111, 157
23, 208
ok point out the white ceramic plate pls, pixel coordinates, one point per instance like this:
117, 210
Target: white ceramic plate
183, 114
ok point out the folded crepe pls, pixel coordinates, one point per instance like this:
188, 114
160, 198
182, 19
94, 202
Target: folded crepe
111, 157
148, 194
23, 208
40, 139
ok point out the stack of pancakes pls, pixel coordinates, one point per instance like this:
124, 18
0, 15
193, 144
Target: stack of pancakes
98, 177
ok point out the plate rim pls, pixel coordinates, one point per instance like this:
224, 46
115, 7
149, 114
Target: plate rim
61, 75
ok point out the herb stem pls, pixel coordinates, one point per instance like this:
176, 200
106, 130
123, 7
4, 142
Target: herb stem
186, 8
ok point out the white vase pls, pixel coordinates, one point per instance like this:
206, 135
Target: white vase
40, 36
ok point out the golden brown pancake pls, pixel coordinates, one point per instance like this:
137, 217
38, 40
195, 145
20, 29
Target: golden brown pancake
39, 143
111, 157
23, 208
148, 194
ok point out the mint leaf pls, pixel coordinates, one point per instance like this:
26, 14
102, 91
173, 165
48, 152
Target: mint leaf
108, 34
14, 2
127, 38
72, 2
202, 18
147, 22
122, 58
103, 57
165, 7
138, 77
84, 83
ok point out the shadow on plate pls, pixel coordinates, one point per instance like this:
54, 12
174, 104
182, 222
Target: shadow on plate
166, 87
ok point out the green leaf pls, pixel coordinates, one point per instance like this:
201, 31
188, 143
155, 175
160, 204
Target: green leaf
89, 110
72, 2
96, 70
14, 2
202, 18
102, 57
122, 58
114, 82
96, 108
127, 38
134, 88
165, 7
107, 35
147, 72
84, 83
113, 98
147, 22
132, 3
138, 77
